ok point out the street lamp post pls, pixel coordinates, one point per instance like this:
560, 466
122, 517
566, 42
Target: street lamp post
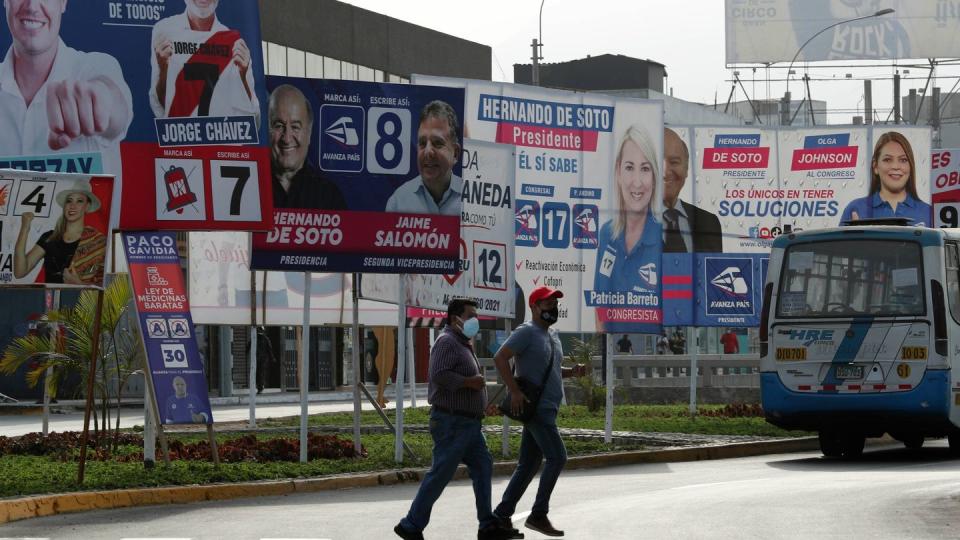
786, 95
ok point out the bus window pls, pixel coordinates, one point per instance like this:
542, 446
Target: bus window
953, 279
847, 277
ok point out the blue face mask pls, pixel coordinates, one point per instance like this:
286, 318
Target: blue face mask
470, 327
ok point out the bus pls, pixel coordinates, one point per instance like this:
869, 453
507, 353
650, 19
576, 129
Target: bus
860, 335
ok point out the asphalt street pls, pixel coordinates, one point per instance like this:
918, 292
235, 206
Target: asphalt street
891, 493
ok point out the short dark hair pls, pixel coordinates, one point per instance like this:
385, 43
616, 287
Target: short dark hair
458, 306
441, 109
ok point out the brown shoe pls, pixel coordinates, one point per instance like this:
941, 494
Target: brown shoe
541, 524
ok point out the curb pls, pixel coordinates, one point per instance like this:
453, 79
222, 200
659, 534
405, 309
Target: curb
48, 505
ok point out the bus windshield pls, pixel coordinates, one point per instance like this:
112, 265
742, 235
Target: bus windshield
852, 278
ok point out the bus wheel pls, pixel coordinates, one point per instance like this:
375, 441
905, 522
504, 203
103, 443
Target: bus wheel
954, 439
913, 442
830, 444
852, 445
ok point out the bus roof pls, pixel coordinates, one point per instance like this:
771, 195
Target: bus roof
925, 235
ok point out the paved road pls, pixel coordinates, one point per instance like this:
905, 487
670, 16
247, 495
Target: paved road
891, 493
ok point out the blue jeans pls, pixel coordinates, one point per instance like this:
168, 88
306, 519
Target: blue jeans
540, 441
456, 439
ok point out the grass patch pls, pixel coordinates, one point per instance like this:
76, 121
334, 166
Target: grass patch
22, 475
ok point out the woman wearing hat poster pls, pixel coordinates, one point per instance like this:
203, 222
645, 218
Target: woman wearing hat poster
73, 252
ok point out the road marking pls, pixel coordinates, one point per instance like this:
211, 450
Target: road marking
23, 538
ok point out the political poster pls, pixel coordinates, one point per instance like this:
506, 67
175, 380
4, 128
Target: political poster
366, 178
821, 171
54, 229
220, 291
813, 30
486, 269
945, 187
900, 167
164, 94
588, 209
173, 359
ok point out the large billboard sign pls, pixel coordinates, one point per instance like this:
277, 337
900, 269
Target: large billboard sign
776, 30
486, 269
221, 293
165, 95
54, 229
367, 178
587, 217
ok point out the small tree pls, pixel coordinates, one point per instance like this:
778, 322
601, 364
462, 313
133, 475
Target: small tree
68, 351
590, 385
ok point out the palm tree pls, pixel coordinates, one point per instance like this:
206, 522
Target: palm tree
67, 351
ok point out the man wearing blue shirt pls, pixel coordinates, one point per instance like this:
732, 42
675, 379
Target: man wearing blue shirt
183, 408
436, 190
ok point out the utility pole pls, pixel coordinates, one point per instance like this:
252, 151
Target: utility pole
867, 101
535, 77
896, 97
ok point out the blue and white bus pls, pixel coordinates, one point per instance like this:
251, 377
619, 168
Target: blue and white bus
860, 335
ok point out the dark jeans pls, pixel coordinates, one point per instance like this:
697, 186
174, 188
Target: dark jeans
456, 439
540, 442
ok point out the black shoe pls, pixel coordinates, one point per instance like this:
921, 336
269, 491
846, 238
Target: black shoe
496, 531
541, 524
407, 535
507, 524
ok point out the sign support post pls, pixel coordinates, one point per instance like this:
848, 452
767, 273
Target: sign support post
305, 367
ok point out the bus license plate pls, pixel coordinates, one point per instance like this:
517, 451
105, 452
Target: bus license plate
791, 353
849, 372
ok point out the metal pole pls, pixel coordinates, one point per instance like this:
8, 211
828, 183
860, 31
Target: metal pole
355, 360
608, 406
505, 430
252, 373
535, 68
867, 102
412, 367
896, 98
305, 366
401, 365
149, 429
692, 348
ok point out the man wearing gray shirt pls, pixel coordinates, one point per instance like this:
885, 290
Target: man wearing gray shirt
534, 345
436, 190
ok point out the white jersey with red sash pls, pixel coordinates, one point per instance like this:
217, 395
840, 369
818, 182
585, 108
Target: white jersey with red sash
201, 78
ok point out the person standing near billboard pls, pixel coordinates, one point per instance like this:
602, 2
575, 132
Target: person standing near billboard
628, 255
199, 67
893, 186
53, 97
436, 190
687, 228
296, 182
73, 252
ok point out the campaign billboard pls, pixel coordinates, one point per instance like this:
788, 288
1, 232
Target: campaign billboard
945, 187
173, 358
54, 229
588, 220
778, 30
366, 177
164, 94
486, 269
220, 289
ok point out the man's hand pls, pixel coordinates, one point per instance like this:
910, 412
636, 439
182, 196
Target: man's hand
241, 56
77, 108
476, 382
492, 410
517, 402
163, 50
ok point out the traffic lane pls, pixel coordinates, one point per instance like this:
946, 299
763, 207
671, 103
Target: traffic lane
892, 493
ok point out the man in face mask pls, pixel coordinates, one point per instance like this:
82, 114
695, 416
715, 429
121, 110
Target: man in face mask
537, 349
457, 392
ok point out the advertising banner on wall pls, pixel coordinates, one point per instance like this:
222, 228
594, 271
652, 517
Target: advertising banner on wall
173, 358
165, 94
367, 178
486, 269
54, 229
588, 220
777, 30
220, 290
